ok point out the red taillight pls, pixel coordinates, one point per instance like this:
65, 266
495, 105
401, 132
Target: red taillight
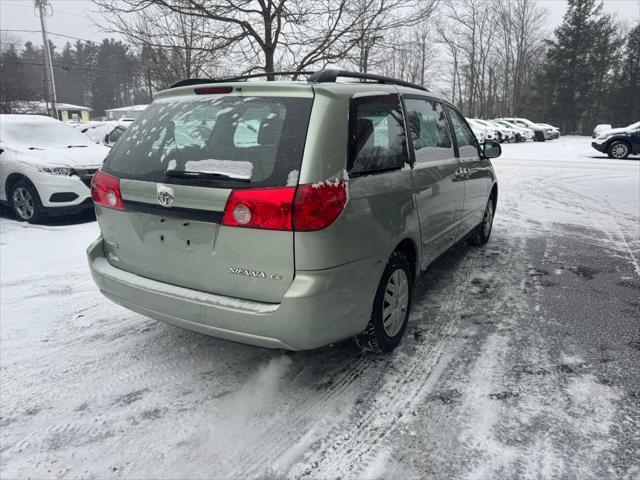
212, 90
105, 191
267, 208
317, 206
305, 209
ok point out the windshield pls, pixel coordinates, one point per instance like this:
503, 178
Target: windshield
41, 134
256, 139
633, 126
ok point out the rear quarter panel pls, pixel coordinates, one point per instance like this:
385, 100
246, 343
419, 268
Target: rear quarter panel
380, 210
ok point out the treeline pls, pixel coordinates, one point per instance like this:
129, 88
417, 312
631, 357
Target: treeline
99, 75
491, 57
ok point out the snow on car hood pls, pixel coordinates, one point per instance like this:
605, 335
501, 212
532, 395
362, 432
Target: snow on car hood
75, 157
613, 131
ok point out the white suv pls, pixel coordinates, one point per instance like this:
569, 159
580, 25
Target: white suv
46, 166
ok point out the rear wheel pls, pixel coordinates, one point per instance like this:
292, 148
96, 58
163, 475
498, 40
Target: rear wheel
391, 307
618, 149
481, 234
25, 202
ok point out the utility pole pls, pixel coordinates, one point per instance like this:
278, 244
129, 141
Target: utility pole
42, 5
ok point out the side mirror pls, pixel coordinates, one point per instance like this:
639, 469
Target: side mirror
491, 149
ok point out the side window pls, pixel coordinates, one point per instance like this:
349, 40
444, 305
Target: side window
464, 135
377, 139
429, 130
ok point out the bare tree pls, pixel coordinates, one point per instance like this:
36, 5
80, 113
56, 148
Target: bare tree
495, 47
266, 35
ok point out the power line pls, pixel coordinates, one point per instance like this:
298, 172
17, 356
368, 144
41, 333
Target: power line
68, 67
50, 33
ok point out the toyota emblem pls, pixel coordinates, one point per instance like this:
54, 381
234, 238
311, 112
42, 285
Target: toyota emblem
165, 195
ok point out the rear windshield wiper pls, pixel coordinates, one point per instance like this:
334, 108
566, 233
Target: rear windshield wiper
77, 146
190, 174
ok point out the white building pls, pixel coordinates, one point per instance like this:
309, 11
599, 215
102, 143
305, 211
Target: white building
66, 111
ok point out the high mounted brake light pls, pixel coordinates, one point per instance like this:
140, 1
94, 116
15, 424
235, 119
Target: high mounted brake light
212, 90
306, 208
105, 191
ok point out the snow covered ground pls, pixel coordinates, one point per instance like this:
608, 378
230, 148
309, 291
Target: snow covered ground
521, 358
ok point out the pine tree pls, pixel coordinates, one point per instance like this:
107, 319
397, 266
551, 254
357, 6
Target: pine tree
578, 69
624, 102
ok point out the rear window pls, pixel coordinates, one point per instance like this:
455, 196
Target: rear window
255, 139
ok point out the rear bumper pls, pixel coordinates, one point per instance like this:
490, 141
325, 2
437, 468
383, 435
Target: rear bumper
320, 307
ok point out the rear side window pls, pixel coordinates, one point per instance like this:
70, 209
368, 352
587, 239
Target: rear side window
377, 140
259, 139
429, 130
464, 135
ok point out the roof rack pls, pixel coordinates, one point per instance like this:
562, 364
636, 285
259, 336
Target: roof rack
198, 81
321, 76
330, 76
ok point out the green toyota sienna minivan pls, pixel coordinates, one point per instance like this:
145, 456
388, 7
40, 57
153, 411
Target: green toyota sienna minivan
288, 214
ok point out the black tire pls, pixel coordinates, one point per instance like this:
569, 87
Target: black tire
482, 232
23, 191
375, 337
618, 150
539, 137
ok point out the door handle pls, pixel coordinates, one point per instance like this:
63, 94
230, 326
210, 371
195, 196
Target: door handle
462, 172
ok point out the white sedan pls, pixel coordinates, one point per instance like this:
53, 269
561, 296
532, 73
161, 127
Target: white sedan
46, 167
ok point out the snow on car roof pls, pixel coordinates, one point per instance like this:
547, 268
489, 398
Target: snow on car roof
21, 118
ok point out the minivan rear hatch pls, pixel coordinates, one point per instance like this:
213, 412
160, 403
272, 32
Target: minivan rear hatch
177, 166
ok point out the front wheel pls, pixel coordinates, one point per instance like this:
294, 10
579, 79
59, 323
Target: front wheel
481, 234
391, 307
618, 150
25, 202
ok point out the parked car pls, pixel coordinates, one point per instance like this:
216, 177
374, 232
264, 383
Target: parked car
601, 127
541, 133
522, 133
490, 133
479, 133
104, 133
510, 134
619, 142
47, 166
503, 134
555, 131
310, 228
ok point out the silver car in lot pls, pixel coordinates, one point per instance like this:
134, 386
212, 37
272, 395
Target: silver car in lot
288, 214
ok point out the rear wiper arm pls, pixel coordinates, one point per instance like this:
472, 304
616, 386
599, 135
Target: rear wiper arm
190, 174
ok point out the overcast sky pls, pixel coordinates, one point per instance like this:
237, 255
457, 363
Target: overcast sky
71, 17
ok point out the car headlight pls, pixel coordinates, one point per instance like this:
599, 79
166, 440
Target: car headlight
602, 136
61, 171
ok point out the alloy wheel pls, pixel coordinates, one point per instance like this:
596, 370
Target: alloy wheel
619, 151
487, 221
23, 203
395, 302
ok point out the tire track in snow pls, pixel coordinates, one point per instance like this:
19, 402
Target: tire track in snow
354, 454
319, 414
